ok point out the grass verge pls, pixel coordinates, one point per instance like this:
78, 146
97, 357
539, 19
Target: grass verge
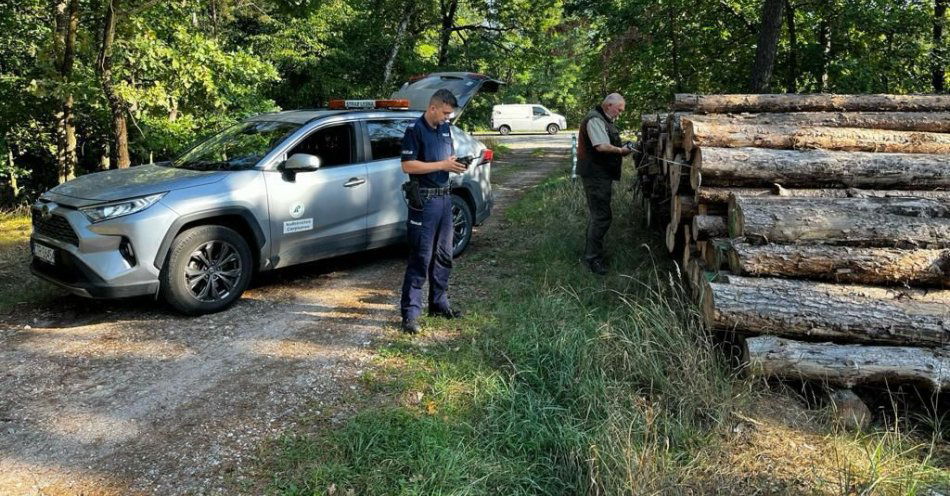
17, 285
561, 382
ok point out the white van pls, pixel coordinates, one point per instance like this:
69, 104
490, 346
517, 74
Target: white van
525, 117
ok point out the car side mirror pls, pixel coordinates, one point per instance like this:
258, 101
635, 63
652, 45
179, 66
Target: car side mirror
302, 162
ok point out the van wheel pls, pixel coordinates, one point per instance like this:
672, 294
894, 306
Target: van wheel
504, 130
463, 221
208, 268
553, 129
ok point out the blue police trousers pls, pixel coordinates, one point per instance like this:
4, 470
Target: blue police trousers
430, 233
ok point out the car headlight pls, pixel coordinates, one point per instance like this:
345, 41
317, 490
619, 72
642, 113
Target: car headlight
112, 210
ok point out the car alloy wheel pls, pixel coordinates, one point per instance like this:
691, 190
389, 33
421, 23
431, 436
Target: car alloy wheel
552, 129
213, 271
504, 130
462, 224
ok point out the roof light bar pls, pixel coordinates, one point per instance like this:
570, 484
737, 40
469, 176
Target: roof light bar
341, 104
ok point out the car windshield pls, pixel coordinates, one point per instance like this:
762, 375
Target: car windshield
238, 147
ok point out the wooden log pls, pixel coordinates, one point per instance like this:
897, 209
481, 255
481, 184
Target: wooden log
708, 227
932, 122
711, 104
674, 239
675, 173
867, 222
880, 266
682, 209
848, 365
716, 255
719, 197
701, 134
689, 248
755, 167
786, 307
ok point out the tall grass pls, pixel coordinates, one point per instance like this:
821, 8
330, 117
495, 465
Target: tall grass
558, 382
562, 382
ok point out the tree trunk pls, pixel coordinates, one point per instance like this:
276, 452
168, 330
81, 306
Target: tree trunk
824, 41
786, 307
11, 168
757, 167
120, 133
878, 266
864, 222
769, 30
448, 10
721, 104
708, 227
791, 75
66, 132
847, 365
397, 43
701, 134
938, 56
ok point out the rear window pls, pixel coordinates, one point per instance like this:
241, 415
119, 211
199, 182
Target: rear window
385, 137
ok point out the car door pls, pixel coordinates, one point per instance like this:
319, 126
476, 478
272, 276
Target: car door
386, 213
539, 118
322, 213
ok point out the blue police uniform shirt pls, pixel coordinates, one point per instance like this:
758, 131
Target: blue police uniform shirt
422, 142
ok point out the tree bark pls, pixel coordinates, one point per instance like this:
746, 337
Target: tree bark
847, 365
785, 307
863, 222
708, 227
120, 133
701, 134
878, 266
938, 56
770, 28
721, 104
757, 167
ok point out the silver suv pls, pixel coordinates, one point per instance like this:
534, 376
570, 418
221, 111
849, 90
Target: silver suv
273, 191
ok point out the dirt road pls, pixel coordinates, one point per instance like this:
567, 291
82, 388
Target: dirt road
128, 397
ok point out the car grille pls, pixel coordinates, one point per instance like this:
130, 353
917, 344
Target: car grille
55, 227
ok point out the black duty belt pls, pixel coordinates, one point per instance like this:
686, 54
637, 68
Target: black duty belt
430, 192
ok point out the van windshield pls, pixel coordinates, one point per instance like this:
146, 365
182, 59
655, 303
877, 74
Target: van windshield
238, 147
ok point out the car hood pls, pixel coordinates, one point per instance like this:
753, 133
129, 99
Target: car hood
143, 180
464, 85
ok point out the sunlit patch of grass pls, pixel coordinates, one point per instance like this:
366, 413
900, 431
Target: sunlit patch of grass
17, 284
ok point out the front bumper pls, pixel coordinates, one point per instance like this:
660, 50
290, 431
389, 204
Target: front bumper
87, 257
76, 277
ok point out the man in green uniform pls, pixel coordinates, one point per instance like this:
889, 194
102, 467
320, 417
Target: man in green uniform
599, 155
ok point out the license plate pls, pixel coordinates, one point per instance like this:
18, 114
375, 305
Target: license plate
44, 253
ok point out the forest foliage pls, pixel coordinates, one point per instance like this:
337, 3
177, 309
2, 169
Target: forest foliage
92, 84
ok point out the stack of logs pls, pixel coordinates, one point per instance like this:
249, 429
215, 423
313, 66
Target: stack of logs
815, 226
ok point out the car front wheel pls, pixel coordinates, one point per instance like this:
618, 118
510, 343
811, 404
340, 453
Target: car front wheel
207, 269
504, 130
463, 221
553, 129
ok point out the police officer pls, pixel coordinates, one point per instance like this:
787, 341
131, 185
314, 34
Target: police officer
428, 156
599, 156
